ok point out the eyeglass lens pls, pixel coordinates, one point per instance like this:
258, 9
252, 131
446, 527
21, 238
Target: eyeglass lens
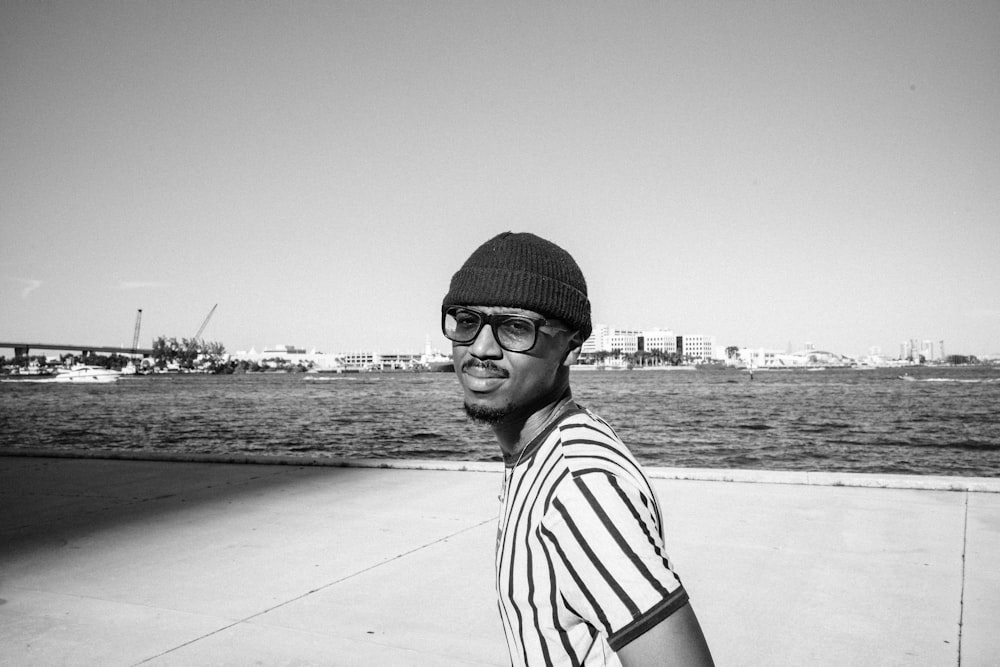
514, 333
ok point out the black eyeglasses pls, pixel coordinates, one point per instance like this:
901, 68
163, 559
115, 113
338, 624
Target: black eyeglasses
514, 333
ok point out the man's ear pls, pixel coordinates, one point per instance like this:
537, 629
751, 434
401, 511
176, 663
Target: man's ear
575, 345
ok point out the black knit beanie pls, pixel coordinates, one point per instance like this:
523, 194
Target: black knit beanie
524, 271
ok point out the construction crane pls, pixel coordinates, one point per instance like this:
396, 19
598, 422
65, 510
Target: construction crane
205, 323
197, 336
135, 336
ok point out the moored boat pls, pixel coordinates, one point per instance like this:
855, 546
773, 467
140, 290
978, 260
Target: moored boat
82, 373
441, 364
434, 361
85, 373
77, 374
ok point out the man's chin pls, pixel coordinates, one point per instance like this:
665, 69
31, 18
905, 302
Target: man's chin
488, 415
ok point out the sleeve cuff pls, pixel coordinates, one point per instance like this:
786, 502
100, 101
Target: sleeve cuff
648, 620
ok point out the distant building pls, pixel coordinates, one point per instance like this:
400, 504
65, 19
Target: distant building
291, 355
607, 339
696, 347
596, 341
659, 340
630, 341
281, 350
624, 341
916, 351
807, 358
352, 361
759, 357
376, 361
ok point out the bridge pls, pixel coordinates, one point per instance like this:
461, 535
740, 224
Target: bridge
22, 349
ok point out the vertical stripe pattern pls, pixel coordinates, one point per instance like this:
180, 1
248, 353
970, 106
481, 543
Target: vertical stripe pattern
581, 567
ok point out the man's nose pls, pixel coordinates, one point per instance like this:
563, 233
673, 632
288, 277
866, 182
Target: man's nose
485, 346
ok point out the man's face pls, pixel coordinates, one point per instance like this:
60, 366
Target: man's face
498, 383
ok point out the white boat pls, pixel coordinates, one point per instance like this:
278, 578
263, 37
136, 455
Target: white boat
434, 361
83, 373
438, 363
77, 374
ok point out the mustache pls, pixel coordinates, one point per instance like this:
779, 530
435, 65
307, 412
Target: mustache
488, 366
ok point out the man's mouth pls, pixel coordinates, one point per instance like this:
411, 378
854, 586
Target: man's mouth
485, 370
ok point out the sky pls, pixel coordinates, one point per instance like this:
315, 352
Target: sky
768, 173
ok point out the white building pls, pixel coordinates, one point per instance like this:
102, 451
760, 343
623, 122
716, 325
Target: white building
629, 341
659, 339
623, 340
291, 354
696, 346
759, 357
605, 339
807, 358
595, 343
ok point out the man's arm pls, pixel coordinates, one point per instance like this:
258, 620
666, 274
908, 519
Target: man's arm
676, 640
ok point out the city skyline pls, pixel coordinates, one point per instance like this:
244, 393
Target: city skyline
932, 349
761, 173
912, 349
897, 352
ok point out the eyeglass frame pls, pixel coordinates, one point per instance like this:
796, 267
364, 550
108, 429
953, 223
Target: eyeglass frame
494, 319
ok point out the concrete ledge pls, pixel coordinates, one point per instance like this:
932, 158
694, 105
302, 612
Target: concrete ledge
803, 477
811, 478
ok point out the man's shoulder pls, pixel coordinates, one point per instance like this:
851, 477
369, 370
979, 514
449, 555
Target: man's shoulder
582, 423
590, 445
596, 469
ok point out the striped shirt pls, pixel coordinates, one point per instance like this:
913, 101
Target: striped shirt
580, 565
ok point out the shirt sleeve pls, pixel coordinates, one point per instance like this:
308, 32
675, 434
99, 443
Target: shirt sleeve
609, 560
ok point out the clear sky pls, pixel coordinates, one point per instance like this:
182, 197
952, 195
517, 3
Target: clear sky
768, 173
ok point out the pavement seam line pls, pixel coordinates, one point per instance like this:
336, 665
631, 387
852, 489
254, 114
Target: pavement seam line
316, 590
961, 597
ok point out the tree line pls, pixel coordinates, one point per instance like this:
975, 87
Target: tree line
639, 358
186, 352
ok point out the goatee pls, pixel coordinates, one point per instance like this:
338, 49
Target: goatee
488, 416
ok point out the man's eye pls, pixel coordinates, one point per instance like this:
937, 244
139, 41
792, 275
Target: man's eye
466, 321
518, 327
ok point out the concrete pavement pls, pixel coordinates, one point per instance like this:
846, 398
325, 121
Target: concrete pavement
116, 562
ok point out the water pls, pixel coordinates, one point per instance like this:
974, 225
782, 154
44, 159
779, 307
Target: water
945, 423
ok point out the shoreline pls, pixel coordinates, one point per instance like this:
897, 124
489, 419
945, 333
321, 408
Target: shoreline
732, 475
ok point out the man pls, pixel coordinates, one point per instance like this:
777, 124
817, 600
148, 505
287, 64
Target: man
581, 572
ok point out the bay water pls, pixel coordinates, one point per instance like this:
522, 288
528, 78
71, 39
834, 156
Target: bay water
944, 421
